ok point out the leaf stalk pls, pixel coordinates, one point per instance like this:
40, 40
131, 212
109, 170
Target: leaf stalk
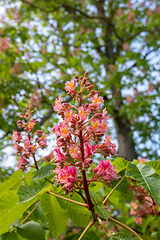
67, 199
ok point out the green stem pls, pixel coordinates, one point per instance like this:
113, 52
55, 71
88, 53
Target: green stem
104, 227
113, 190
69, 200
125, 226
86, 229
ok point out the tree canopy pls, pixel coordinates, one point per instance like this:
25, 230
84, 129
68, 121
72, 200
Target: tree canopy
43, 44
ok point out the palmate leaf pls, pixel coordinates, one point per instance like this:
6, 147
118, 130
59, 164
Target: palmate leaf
94, 197
147, 178
10, 209
119, 236
43, 172
155, 165
120, 164
26, 193
12, 183
56, 216
79, 215
102, 211
31, 231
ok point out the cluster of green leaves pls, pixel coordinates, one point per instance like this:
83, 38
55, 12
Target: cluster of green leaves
29, 211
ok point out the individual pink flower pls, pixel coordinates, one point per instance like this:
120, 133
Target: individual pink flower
70, 86
138, 220
68, 115
60, 157
23, 160
105, 171
49, 157
27, 144
61, 130
95, 125
74, 151
104, 127
18, 148
17, 136
104, 113
43, 137
21, 166
66, 174
64, 129
38, 133
22, 163
134, 205
58, 105
34, 148
30, 126
133, 212
107, 148
89, 150
142, 160
96, 102
83, 113
43, 144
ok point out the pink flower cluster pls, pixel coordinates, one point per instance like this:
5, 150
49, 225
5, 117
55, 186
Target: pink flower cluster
79, 136
27, 144
104, 171
144, 204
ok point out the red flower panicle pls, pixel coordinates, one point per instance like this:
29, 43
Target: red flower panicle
79, 136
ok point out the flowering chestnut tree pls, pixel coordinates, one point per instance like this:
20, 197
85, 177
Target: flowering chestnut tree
72, 184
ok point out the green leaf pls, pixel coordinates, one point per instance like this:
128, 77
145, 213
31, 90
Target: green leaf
79, 215
4, 236
26, 193
155, 165
56, 216
147, 178
103, 212
11, 210
120, 164
95, 186
123, 187
43, 172
145, 223
31, 231
13, 182
119, 236
94, 196
9, 236
158, 235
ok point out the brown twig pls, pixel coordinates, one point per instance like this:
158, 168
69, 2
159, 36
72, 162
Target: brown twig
30, 212
67, 199
86, 229
125, 226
